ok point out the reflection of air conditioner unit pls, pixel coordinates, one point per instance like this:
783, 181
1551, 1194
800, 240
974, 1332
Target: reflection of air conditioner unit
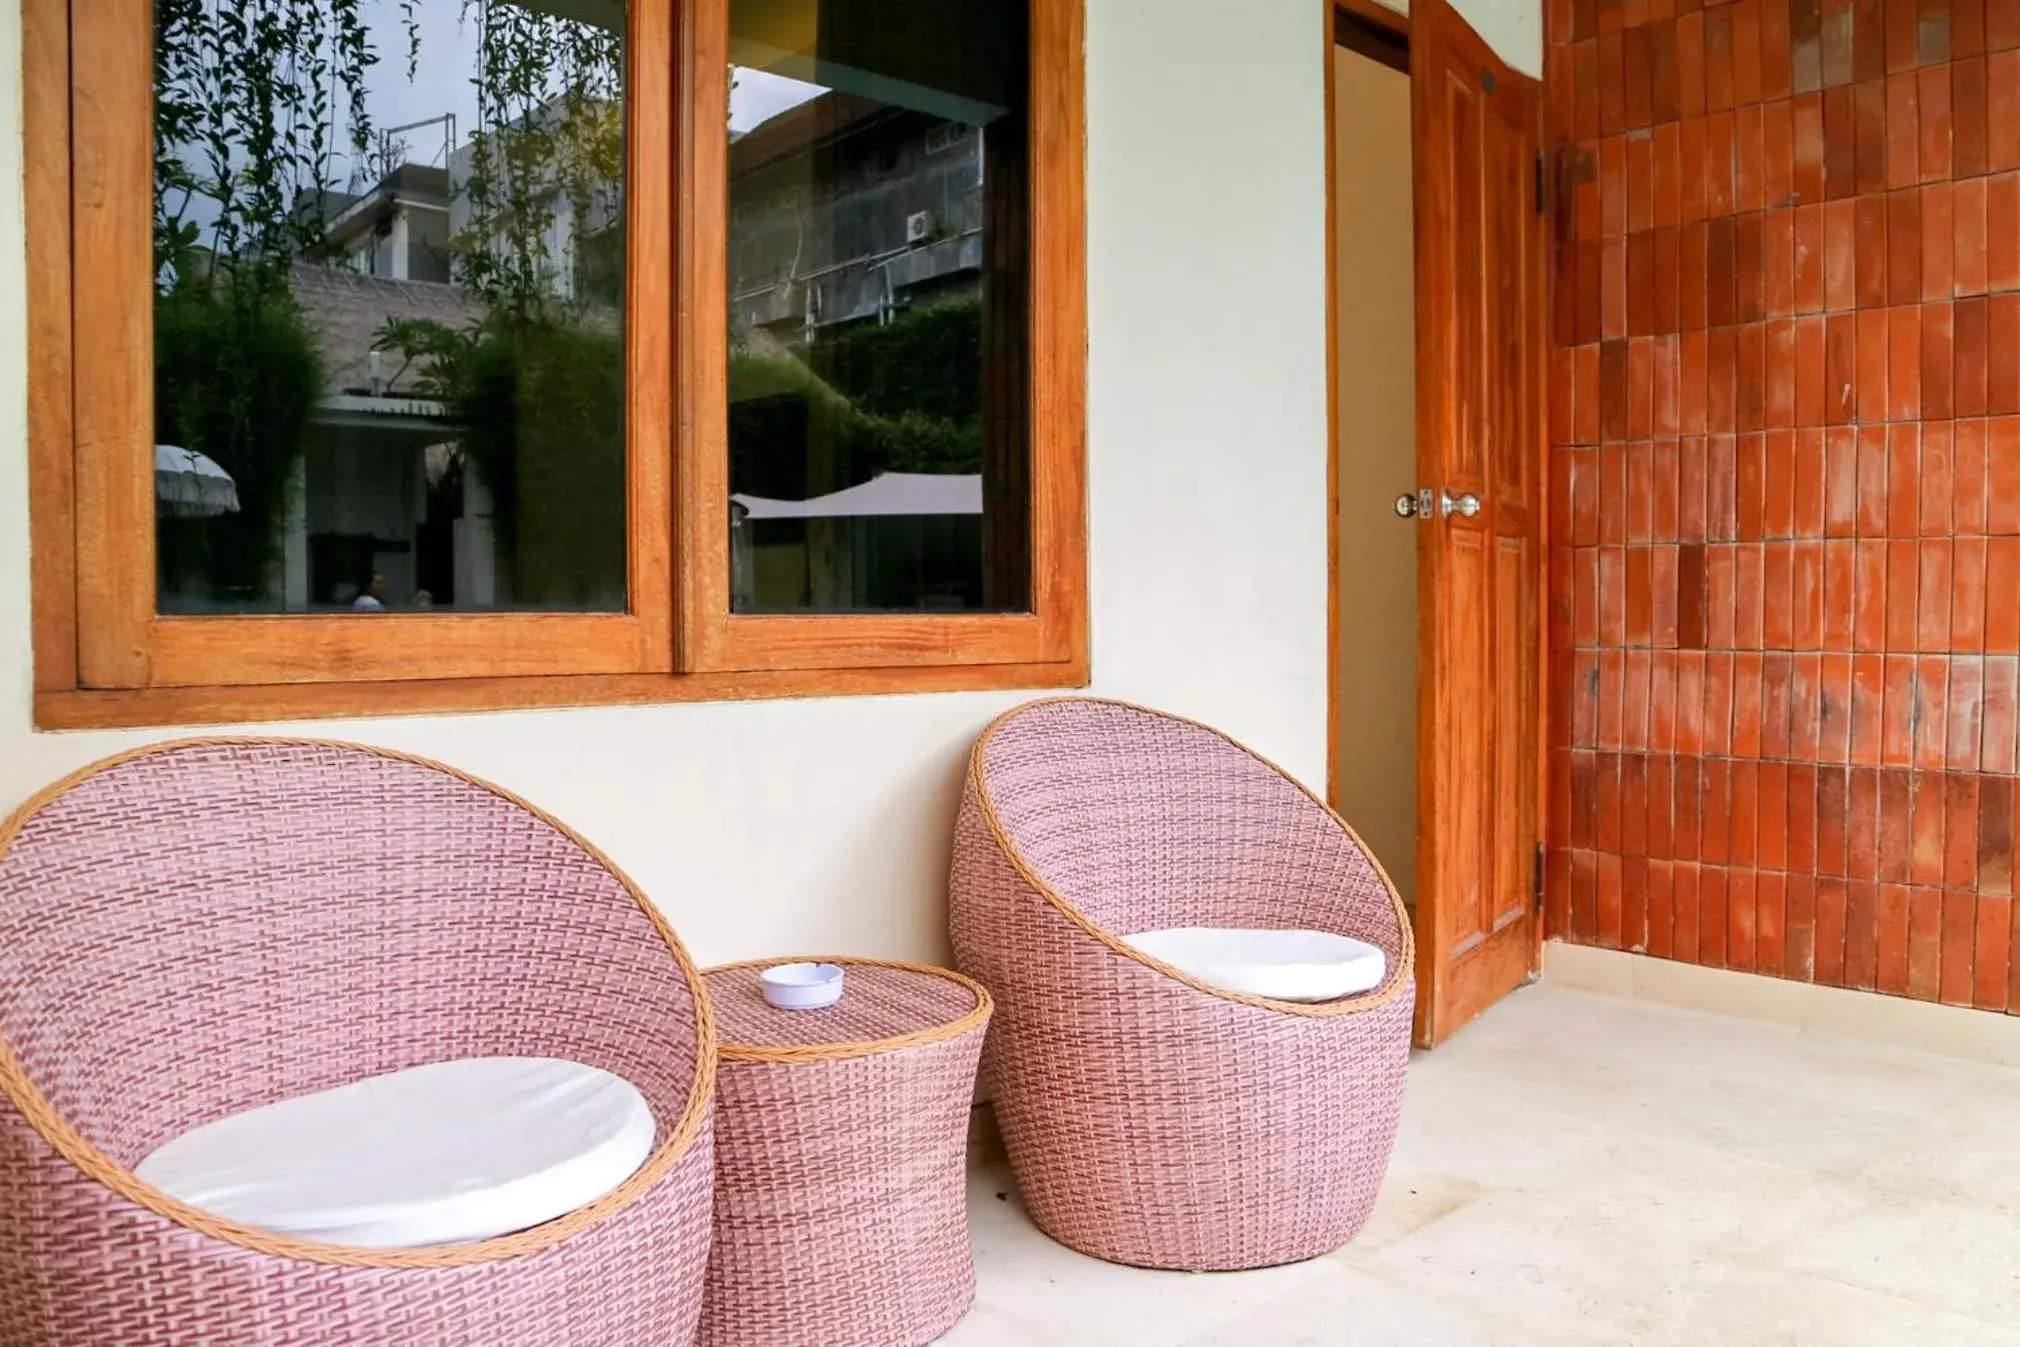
918, 226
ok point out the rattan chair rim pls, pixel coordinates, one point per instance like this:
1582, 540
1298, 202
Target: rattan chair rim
96, 1165
1399, 976
796, 1054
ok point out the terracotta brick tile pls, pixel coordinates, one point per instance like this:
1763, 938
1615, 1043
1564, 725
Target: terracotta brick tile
1721, 380
1970, 124
1740, 920
1777, 75
1925, 862
1606, 812
1664, 456
1808, 260
2002, 349
1969, 472
1807, 519
1835, 42
1778, 263
1938, 361
1683, 942
1750, 375
1777, 595
1834, 711
1640, 387
1841, 481
1714, 810
1903, 593
1841, 144
1633, 804
2002, 25
2002, 111
1691, 466
1640, 284
1869, 42
1806, 64
1904, 247
1904, 484
2002, 480
1806, 594
1584, 897
1841, 368
1869, 39
1713, 916
1718, 55
1772, 816
1841, 255
1904, 362
1869, 134
1667, 413
1882, 956
1749, 595
1584, 799
1902, 700
1967, 596
1722, 272
1931, 713
1608, 901
1925, 944
1721, 488
1903, 38
2002, 690
1612, 84
1970, 340
1746, 52
1689, 59
1750, 268
2002, 599
1964, 736
1991, 956
1933, 480
1832, 901
1662, 85
1995, 835
1778, 155
1799, 925
1869, 594
1933, 599
1805, 703
1613, 186
1869, 676
1838, 580
1637, 71
1968, 254
1777, 677
1718, 694
2002, 232
1960, 934
1693, 377
1960, 828
1862, 932
1903, 136
1662, 580
1967, 27
1938, 270
1640, 490
1874, 352
1689, 704
1613, 290
1612, 595
1781, 377
1833, 820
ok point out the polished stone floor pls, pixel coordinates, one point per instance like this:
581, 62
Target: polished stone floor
1580, 1169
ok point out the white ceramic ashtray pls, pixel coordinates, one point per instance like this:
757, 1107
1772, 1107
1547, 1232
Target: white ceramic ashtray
802, 986
1308, 966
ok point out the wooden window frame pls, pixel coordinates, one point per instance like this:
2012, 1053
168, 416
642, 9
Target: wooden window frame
104, 657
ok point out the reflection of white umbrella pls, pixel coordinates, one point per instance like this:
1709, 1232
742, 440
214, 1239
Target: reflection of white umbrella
189, 483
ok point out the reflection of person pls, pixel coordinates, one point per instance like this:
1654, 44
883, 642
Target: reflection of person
423, 599
373, 600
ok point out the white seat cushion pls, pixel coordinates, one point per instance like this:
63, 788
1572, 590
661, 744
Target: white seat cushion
435, 1154
1276, 965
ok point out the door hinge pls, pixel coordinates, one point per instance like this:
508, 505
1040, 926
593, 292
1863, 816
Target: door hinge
1538, 894
1540, 175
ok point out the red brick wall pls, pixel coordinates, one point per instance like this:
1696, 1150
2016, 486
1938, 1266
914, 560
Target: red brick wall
1786, 449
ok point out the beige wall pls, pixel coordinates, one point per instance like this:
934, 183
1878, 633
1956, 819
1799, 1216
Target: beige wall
1377, 722
1514, 28
822, 825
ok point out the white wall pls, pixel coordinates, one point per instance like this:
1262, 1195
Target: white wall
1513, 28
770, 827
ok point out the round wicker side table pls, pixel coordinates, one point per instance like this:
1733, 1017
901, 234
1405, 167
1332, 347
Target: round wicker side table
841, 1211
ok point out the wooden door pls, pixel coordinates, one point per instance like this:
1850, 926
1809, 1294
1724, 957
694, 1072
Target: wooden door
1480, 432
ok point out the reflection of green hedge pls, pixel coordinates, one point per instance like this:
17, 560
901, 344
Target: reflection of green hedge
236, 374
784, 418
541, 403
928, 361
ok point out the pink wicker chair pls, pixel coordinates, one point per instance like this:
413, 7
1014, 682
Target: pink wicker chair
1152, 1119
208, 926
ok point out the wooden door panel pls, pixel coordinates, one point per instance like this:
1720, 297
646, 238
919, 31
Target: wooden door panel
1480, 433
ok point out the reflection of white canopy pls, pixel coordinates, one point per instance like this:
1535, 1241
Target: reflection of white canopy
890, 493
190, 483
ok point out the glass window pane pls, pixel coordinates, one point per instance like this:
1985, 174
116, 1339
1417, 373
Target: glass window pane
878, 199
389, 324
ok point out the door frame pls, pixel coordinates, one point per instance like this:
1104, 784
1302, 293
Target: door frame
1377, 25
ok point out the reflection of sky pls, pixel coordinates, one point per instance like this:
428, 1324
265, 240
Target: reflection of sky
756, 96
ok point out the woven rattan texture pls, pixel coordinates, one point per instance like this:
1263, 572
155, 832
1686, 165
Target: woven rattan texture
217, 925
841, 1190
1148, 1119
882, 1001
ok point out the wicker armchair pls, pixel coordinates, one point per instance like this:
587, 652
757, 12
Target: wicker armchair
1150, 1118
208, 926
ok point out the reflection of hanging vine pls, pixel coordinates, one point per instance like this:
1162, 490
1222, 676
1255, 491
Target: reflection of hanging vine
550, 129
254, 102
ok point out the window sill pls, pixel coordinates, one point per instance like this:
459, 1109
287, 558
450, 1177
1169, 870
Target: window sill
98, 709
